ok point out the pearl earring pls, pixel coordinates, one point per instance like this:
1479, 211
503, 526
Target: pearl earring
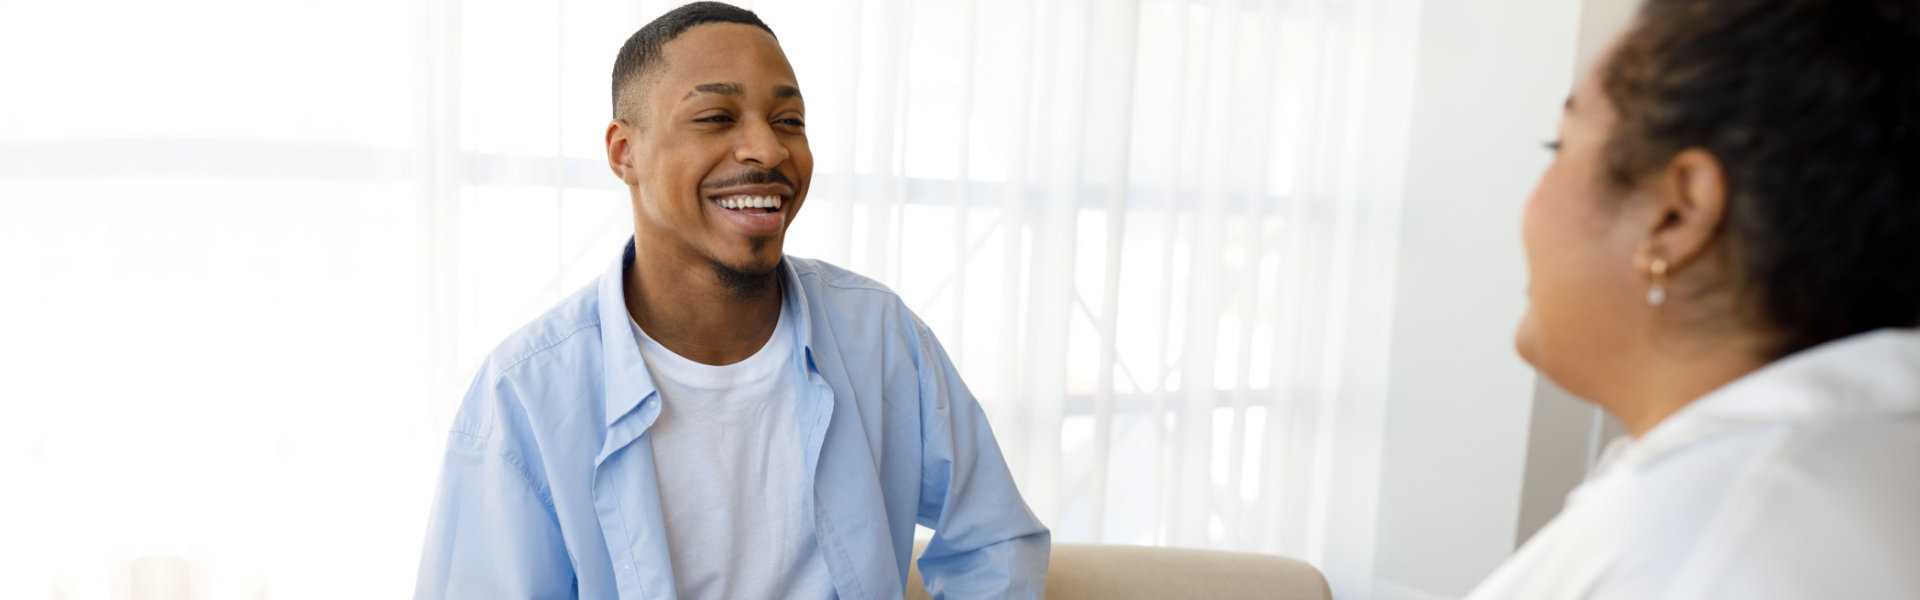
1657, 295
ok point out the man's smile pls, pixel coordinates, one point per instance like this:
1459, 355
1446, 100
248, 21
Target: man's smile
755, 210
750, 203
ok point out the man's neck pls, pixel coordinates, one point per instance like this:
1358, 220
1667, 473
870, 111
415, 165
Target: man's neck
698, 312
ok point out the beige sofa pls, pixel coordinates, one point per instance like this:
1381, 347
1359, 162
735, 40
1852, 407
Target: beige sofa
1108, 572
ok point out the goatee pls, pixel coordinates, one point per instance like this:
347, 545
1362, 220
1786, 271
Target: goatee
746, 285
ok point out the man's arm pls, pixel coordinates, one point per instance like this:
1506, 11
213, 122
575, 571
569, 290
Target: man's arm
986, 543
494, 533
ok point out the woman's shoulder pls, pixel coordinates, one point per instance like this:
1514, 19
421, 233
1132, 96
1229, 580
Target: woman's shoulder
1828, 513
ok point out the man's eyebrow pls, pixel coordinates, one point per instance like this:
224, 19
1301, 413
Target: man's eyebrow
724, 89
785, 91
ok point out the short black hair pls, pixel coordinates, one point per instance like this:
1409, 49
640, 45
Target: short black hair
642, 52
1812, 108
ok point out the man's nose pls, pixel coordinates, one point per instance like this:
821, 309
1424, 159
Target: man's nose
759, 145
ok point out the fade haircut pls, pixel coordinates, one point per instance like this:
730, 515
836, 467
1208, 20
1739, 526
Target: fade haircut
1813, 109
641, 56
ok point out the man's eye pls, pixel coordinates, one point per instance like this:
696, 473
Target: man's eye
715, 119
1552, 146
793, 122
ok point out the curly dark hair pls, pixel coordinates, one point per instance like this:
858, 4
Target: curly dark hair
1813, 109
641, 53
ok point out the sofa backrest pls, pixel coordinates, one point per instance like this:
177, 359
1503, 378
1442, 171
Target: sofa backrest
1114, 572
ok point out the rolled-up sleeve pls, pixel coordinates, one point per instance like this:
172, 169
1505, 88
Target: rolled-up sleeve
986, 542
493, 532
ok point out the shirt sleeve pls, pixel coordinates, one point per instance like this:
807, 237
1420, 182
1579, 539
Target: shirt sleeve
986, 543
493, 532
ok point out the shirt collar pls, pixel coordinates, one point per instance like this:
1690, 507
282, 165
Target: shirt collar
795, 300
1873, 373
626, 377
628, 382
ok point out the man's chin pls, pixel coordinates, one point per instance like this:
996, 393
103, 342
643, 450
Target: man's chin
756, 264
750, 277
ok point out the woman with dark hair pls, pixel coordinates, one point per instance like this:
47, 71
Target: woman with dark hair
1725, 255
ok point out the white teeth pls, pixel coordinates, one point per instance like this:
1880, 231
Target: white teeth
740, 202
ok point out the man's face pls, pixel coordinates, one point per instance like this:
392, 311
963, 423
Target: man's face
716, 156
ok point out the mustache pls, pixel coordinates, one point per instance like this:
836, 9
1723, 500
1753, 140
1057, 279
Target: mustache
753, 177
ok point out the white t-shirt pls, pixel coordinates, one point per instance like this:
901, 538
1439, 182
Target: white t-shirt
727, 452
1800, 480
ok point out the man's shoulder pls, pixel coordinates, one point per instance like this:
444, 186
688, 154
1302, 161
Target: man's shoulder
816, 272
824, 281
535, 365
573, 324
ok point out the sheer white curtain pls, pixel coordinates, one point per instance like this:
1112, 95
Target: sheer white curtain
253, 251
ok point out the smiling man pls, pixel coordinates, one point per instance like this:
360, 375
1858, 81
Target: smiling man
713, 418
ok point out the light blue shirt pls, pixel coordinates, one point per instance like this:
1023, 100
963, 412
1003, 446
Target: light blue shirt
548, 490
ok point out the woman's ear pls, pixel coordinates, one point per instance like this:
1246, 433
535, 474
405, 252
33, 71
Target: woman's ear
1691, 200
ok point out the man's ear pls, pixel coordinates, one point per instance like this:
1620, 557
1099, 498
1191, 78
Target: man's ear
1690, 196
619, 144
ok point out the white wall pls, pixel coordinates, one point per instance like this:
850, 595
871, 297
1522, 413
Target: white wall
1492, 76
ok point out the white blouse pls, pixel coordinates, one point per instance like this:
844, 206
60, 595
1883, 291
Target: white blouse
1799, 480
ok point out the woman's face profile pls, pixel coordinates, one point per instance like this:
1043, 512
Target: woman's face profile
1583, 291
